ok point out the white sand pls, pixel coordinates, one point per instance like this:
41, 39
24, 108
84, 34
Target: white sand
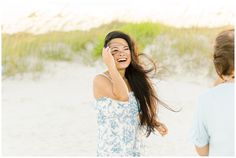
54, 115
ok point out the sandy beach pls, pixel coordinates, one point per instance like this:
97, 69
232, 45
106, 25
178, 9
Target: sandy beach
54, 114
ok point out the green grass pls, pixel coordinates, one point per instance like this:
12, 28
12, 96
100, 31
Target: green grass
143, 33
18, 49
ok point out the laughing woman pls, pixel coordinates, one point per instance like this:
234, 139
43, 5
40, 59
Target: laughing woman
125, 100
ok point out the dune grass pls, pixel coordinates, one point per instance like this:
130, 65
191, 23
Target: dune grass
25, 52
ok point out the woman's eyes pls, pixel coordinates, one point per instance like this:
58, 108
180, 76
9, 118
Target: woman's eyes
114, 51
119, 50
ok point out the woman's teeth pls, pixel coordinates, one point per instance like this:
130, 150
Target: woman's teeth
121, 60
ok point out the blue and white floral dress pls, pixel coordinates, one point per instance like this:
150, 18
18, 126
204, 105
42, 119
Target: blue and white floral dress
119, 130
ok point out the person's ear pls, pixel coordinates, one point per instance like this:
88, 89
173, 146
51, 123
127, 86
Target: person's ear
228, 77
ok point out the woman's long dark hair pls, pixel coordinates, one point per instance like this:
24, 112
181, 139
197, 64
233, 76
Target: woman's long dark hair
140, 84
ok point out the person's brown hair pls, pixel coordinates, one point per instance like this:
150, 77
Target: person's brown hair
224, 53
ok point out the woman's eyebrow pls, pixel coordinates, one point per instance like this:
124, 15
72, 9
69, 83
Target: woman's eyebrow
117, 44
117, 47
113, 47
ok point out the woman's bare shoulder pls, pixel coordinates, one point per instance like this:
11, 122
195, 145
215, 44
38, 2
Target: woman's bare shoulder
101, 79
102, 86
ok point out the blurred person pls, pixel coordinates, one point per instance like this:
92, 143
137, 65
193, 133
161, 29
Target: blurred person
213, 127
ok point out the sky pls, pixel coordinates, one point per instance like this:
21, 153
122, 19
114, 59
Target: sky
47, 15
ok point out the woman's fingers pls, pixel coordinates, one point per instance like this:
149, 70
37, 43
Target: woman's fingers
106, 52
162, 129
107, 57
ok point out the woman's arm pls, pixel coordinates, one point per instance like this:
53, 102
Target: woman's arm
117, 89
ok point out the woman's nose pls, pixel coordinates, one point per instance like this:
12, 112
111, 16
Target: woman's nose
121, 53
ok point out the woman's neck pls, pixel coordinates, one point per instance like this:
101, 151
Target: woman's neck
122, 73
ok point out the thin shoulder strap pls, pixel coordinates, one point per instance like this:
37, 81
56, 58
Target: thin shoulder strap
105, 75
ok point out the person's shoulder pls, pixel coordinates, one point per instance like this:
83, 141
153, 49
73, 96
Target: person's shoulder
100, 79
102, 86
218, 90
224, 86
215, 94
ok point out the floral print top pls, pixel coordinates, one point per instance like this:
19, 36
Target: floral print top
119, 130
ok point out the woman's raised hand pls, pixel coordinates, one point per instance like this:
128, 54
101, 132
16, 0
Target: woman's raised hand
162, 129
108, 58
